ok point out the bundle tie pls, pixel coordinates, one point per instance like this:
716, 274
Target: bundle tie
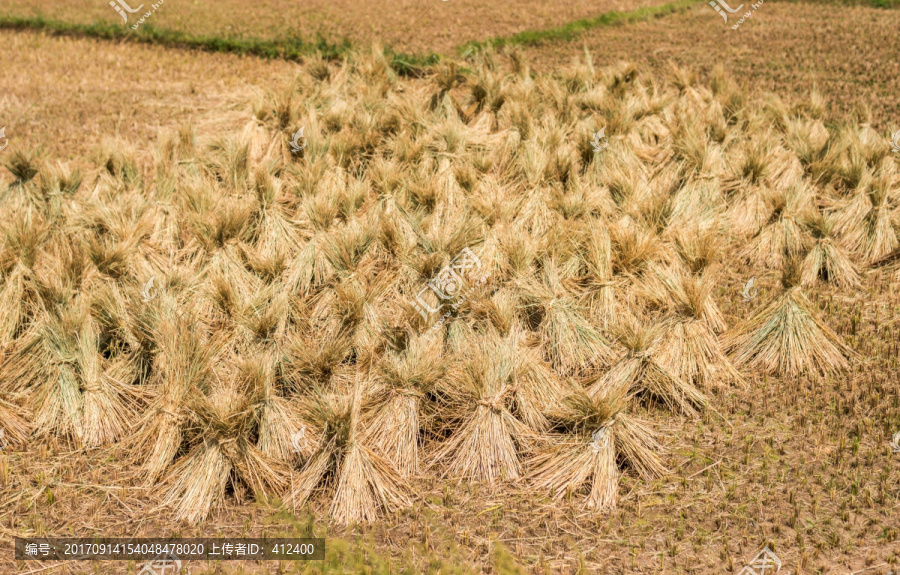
600, 438
494, 402
90, 387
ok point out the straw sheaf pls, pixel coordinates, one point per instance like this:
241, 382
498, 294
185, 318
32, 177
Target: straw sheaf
786, 337
279, 351
365, 483
599, 433
640, 370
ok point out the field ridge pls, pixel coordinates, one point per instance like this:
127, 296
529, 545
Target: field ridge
575, 28
294, 48
284, 48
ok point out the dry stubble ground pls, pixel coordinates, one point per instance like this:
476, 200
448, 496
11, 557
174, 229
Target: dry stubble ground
66, 95
432, 26
851, 54
802, 465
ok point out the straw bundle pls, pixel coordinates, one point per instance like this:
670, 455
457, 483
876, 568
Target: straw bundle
786, 336
486, 437
598, 431
640, 370
364, 482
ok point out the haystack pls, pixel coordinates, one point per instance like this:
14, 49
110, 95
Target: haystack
70, 388
599, 285
282, 433
485, 437
538, 391
404, 380
223, 453
364, 483
782, 235
641, 371
182, 369
827, 259
689, 347
568, 338
313, 356
14, 424
598, 432
865, 221
786, 336
699, 246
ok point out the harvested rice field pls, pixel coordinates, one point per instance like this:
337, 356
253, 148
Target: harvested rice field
850, 54
407, 26
547, 308
56, 102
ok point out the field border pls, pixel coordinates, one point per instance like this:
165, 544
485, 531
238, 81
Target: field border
296, 48
574, 29
283, 48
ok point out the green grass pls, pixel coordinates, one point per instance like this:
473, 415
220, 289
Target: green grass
286, 48
883, 3
412, 65
876, 3
573, 29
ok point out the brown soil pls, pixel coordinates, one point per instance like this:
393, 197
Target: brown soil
780, 463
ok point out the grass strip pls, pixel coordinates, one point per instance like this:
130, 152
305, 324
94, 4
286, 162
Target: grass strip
286, 48
573, 29
296, 48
